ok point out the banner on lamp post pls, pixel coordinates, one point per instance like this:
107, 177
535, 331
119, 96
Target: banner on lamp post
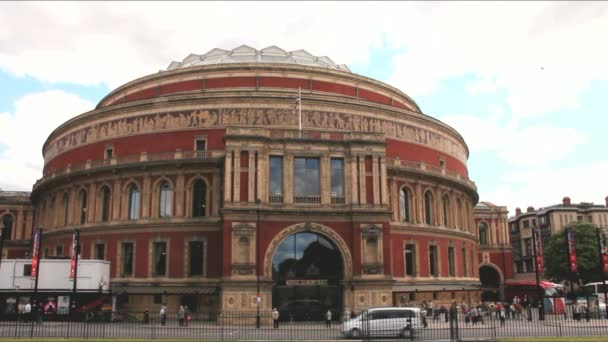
538, 248
571, 250
36, 252
74, 253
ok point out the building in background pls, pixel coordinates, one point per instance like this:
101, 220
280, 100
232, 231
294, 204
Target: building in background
550, 220
16, 221
214, 184
495, 254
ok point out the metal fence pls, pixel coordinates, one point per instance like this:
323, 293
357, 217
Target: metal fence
438, 326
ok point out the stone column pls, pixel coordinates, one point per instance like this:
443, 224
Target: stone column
383, 182
347, 180
145, 196
362, 188
262, 178
325, 179
91, 205
251, 179
288, 178
179, 194
376, 180
216, 193
353, 166
118, 195
29, 223
395, 197
237, 176
419, 217
228, 177
74, 215
19, 225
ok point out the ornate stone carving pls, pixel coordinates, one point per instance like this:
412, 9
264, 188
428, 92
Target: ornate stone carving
221, 117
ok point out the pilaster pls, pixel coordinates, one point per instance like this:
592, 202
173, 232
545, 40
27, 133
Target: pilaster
145, 198
251, 179
236, 194
228, 177
180, 194
362, 187
375, 180
117, 195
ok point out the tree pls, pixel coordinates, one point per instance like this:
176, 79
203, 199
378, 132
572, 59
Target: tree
555, 253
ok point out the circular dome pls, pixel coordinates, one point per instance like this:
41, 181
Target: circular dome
247, 54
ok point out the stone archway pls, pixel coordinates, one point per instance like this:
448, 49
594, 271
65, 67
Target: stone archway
312, 227
492, 282
304, 286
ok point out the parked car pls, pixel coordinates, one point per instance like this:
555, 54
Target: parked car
388, 321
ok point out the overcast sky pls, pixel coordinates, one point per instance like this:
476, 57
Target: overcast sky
523, 82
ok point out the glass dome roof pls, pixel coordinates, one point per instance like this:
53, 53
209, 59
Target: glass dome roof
247, 54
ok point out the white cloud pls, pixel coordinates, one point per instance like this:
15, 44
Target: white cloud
541, 144
544, 186
520, 146
23, 133
543, 53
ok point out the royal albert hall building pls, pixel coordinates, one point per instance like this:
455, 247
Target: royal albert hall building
199, 186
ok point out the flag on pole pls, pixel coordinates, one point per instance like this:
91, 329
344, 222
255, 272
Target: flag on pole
36, 252
538, 250
571, 250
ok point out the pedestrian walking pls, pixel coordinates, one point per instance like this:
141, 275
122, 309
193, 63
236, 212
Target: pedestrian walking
275, 318
474, 315
27, 311
163, 314
502, 316
187, 315
346, 314
328, 319
146, 316
181, 313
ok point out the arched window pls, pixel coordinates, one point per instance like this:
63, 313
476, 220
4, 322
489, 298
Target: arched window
199, 198
7, 225
83, 206
165, 200
446, 210
428, 207
133, 202
483, 233
404, 202
105, 204
65, 201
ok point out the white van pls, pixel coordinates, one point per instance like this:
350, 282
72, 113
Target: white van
384, 322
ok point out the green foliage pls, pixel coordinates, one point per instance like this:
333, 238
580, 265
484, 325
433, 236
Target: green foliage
587, 255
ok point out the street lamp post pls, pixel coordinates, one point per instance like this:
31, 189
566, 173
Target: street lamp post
257, 266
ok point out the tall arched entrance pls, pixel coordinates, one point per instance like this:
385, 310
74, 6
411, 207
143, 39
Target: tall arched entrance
491, 283
307, 274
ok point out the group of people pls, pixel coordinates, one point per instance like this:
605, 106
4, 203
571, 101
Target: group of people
328, 316
476, 312
183, 315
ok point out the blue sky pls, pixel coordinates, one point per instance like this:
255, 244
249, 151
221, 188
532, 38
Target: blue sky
522, 82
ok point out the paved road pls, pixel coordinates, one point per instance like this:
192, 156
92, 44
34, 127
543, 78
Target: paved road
552, 326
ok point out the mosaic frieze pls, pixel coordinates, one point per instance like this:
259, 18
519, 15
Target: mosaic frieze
211, 118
